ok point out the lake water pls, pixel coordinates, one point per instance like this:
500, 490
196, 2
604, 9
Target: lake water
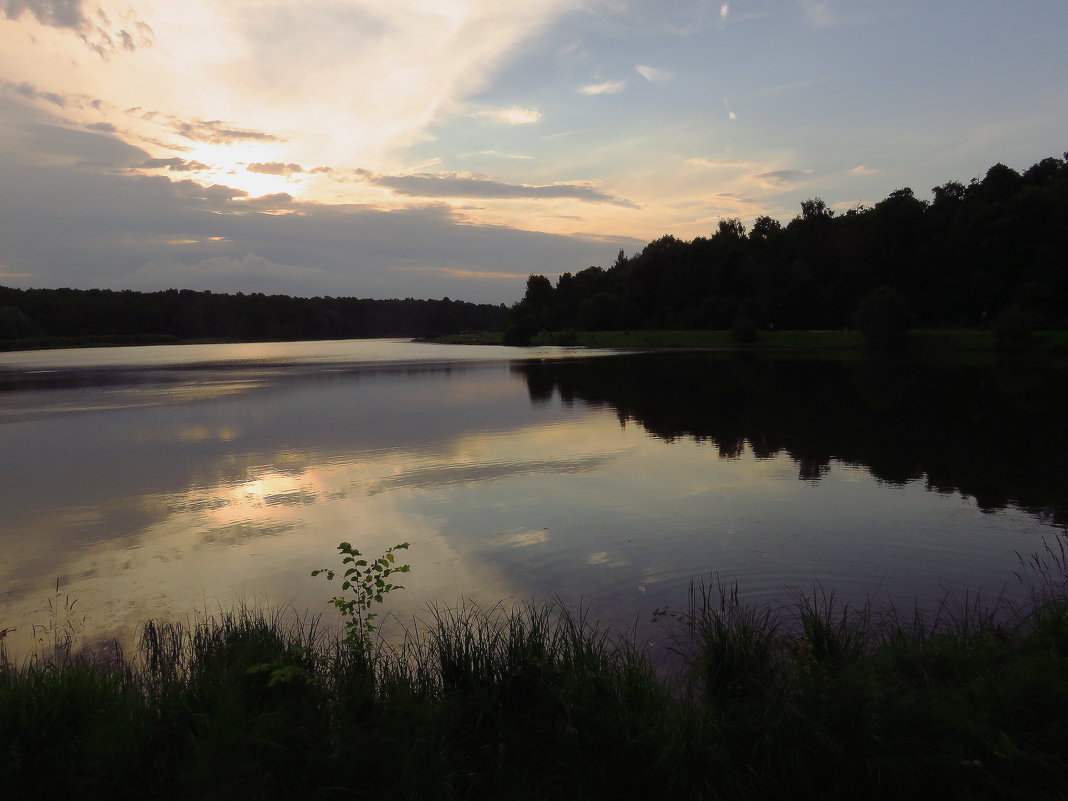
159, 481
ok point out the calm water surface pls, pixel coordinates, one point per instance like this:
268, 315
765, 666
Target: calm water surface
158, 481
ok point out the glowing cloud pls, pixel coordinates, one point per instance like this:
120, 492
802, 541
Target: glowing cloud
514, 115
864, 169
606, 88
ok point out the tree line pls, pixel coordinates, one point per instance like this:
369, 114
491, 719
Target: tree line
987, 253
187, 314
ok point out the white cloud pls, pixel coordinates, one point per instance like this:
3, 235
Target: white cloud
724, 11
513, 115
652, 74
606, 88
731, 115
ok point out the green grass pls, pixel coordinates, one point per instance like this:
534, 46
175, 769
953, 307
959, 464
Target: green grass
811, 699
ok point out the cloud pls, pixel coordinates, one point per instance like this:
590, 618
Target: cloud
102, 127
724, 11
270, 202
493, 154
191, 190
606, 88
53, 13
31, 92
735, 196
275, 168
217, 132
514, 115
702, 161
96, 30
118, 229
818, 13
174, 164
459, 185
82, 148
864, 169
652, 74
780, 179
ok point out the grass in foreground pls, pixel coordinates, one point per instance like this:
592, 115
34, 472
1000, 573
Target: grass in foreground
813, 700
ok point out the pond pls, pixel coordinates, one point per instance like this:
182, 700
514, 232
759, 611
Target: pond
166, 481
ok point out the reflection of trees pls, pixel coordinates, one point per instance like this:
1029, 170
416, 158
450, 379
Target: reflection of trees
996, 433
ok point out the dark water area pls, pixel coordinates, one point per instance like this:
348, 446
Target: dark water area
997, 433
170, 481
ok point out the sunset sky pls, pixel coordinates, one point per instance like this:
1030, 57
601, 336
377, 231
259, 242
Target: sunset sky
426, 148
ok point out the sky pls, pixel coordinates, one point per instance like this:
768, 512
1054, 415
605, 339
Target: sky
430, 148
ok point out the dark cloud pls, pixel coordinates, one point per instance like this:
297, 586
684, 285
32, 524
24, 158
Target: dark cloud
94, 32
217, 132
780, 179
122, 231
83, 148
174, 164
272, 201
453, 185
31, 92
275, 168
54, 13
216, 193
103, 127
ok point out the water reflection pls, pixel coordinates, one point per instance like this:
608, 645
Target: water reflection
626, 477
997, 434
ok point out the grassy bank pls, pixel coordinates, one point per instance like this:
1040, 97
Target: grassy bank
811, 700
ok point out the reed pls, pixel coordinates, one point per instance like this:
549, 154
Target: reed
808, 699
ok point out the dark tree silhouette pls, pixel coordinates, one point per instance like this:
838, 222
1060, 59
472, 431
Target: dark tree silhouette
961, 259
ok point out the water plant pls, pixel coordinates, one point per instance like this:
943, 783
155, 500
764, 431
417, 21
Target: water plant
368, 584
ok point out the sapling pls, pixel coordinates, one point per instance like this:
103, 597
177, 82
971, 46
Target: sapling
367, 581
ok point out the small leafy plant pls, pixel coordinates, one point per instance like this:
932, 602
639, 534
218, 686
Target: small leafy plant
367, 580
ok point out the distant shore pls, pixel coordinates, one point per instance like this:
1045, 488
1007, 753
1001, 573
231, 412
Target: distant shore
922, 340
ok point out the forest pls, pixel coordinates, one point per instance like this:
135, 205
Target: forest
189, 315
987, 253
